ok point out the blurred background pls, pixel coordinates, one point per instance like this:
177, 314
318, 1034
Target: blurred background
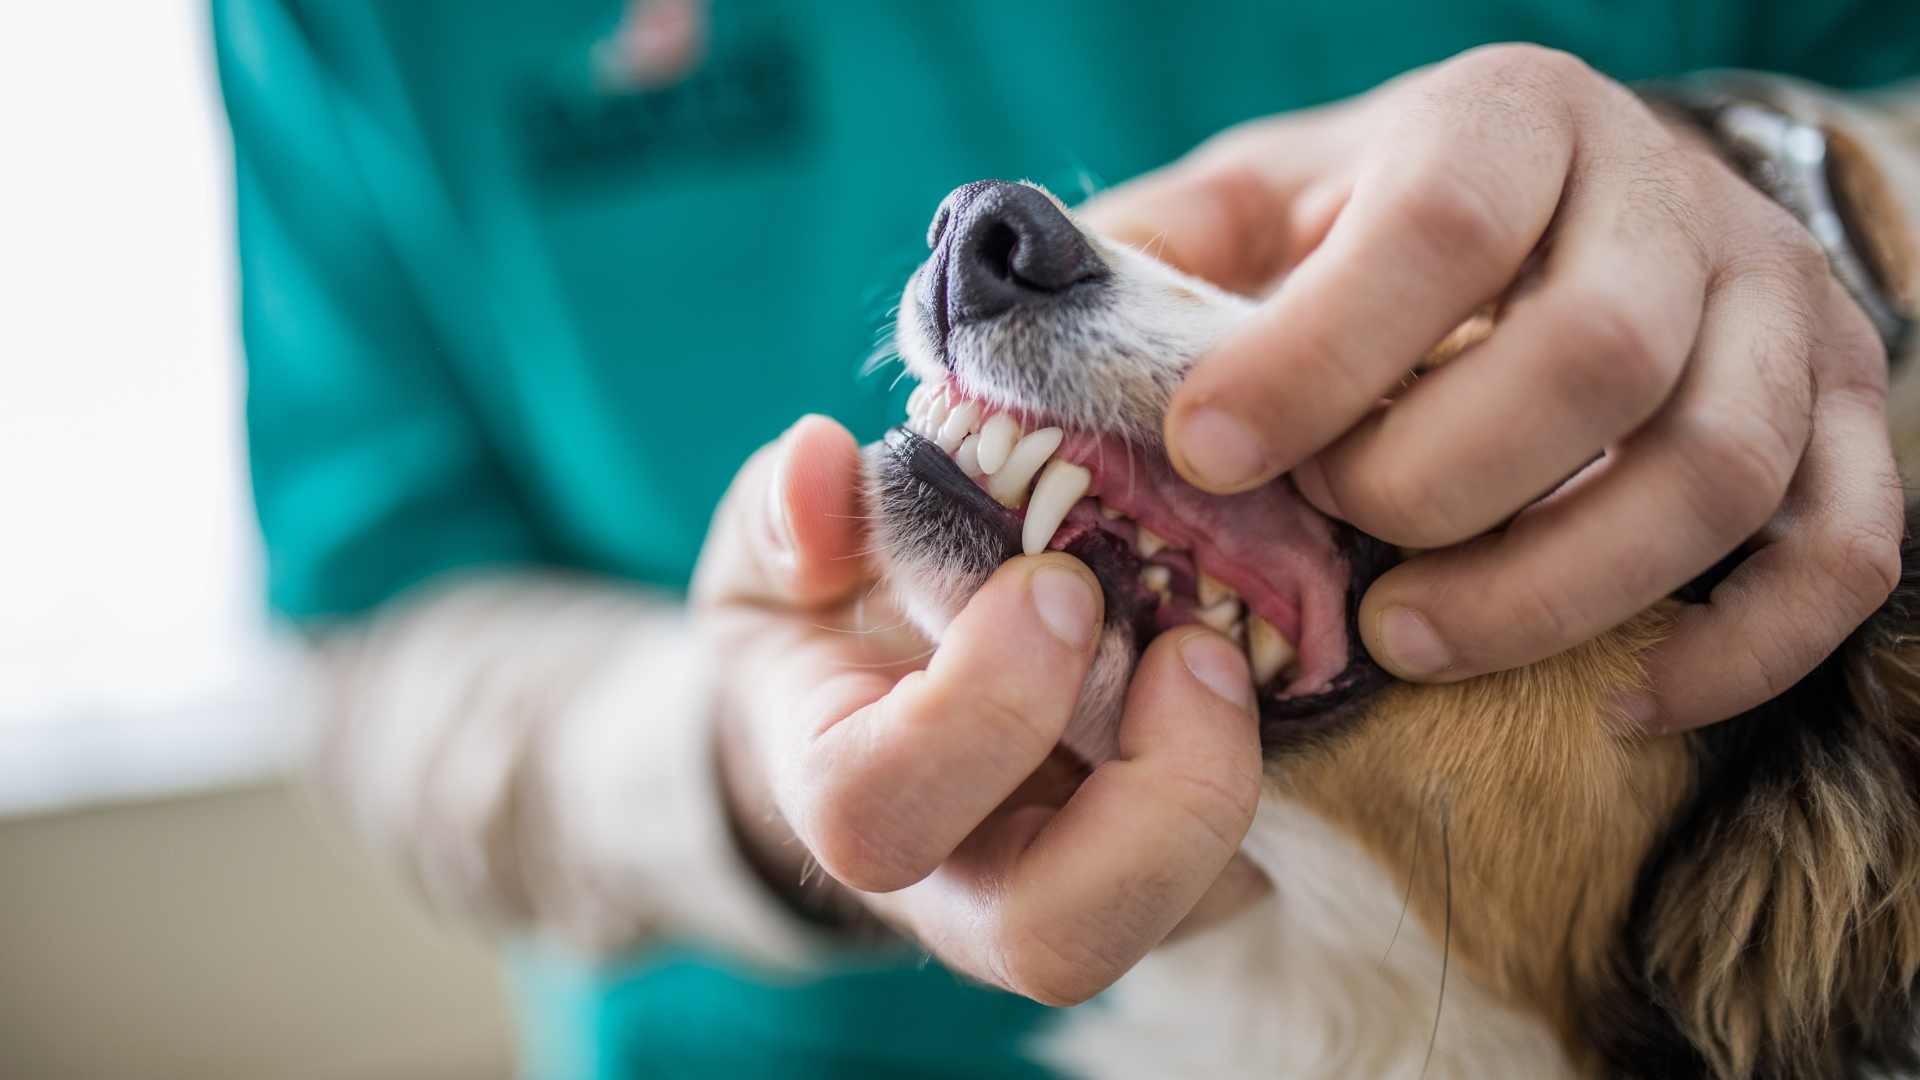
169, 907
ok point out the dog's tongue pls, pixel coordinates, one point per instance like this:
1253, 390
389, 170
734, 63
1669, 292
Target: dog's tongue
1267, 544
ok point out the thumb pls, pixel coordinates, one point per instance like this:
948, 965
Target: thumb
788, 531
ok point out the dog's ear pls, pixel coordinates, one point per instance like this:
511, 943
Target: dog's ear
1777, 931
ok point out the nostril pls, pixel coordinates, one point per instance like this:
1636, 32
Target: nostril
998, 244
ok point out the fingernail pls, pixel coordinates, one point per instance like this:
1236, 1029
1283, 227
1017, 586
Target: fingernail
1219, 449
1066, 604
779, 526
1411, 646
1219, 667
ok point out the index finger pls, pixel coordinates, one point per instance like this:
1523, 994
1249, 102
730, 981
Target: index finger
1440, 220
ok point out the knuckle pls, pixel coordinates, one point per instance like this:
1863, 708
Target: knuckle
1220, 805
1615, 354
1738, 464
851, 839
1011, 725
1031, 962
1454, 213
1866, 565
1779, 252
1405, 505
1534, 63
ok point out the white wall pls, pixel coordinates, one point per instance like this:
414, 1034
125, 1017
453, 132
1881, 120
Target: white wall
134, 655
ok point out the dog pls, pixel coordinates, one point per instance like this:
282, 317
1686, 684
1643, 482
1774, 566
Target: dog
1500, 877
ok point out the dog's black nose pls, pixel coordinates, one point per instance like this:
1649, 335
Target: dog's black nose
1004, 245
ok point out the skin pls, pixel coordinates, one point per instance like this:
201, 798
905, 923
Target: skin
1659, 309
926, 783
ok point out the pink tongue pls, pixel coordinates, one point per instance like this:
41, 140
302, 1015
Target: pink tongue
1267, 545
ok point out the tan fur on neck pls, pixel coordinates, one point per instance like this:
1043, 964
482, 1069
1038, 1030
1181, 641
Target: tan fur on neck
1533, 792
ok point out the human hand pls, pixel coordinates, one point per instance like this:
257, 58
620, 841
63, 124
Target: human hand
927, 781
1656, 308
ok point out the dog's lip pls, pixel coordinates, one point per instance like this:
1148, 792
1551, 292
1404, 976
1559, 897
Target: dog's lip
932, 466
932, 303
1289, 563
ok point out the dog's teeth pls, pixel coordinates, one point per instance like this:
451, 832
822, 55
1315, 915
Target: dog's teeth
917, 401
1238, 632
1110, 513
958, 425
1267, 651
1147, 542
1060, 485
1221, 616
935, 415
1159, 579
968, 456
1212, 591
996, 441
1009, 485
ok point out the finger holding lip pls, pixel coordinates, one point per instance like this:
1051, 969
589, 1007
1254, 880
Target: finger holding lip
1056, 904
1439, 222
882, 790
1586, 355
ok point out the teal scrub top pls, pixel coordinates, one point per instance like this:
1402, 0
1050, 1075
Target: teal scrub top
496, 311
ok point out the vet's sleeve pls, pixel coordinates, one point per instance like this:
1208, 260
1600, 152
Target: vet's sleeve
537, 750
532, 750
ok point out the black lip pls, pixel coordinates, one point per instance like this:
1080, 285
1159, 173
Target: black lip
931, 466
934, 316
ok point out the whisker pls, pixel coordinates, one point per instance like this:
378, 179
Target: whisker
1446, 939
879, 664
861, 631
1413, 867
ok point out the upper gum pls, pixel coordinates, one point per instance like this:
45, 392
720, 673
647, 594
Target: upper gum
1073, 450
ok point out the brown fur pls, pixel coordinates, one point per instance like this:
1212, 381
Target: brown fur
1740, 902
1547, 805
1784, 938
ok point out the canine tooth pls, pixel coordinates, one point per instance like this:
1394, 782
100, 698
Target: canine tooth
958, 425
1267, 651
1220, 616
968, 456
1060, 485
1212, 591
997, 437
1147, 542
1159, 579
1009, 485
917, 401
1238, 632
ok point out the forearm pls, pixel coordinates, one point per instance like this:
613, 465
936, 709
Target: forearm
538, 750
